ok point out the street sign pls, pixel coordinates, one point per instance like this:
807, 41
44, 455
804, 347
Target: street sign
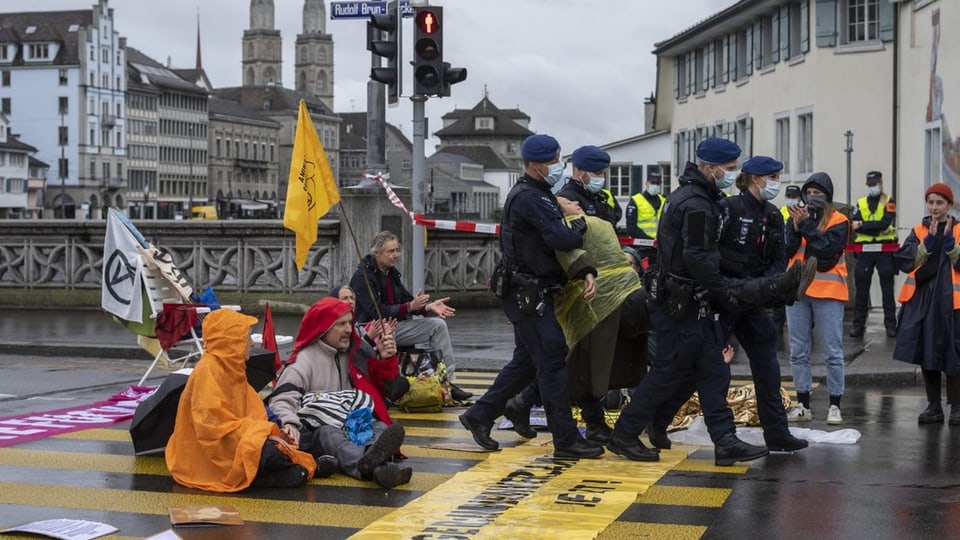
363, 10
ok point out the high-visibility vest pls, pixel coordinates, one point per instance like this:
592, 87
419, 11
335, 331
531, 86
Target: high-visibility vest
647, 217
609, 196
910, 284
785, 212
888, 235
832, 284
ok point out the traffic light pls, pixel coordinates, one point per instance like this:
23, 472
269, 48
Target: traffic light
452, 75
428, 51
383, 39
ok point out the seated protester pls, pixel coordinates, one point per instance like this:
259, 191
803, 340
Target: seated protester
222, 440
321, 390
419, 320
385, 373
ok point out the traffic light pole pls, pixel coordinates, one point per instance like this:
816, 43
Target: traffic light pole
376, 123
416, 193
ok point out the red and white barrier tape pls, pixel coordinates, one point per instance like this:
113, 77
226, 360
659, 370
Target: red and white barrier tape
873, 248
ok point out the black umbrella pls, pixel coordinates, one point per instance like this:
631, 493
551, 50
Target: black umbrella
152, 423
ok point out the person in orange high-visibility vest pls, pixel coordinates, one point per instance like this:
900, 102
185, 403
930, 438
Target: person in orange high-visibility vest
930, 317
818, 229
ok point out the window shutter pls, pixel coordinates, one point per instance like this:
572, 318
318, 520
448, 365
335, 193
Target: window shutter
775, 39
711, 66
758, 45
748, 54
785, 27
676, 77
726, 58
676, 151
748, 143
804, 27
887, 28
691, 80
636, 179
826, 23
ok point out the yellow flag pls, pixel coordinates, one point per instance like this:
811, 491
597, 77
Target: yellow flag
311, 188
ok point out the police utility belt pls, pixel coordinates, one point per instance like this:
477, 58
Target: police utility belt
528, 291
678, 294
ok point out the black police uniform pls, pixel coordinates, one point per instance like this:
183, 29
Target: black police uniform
593, 204
531, 231
866, 262
751, 245
690, 340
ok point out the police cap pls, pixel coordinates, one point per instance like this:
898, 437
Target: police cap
717, 150
874, 178
540, 148
590, 159
793, 191
762, 166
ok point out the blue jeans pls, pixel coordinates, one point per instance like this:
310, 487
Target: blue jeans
828, 314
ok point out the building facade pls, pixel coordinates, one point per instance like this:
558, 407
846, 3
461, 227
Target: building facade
313, 62
353, 152
14, 175
262, 47
486, 124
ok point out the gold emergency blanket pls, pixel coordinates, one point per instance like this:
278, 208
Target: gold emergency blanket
615, 280
741, 399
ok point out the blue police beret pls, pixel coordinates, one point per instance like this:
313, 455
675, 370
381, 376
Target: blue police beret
539, 148
762, 166
590, 159
717, 150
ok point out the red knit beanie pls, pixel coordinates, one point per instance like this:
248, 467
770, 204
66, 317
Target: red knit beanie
942, 190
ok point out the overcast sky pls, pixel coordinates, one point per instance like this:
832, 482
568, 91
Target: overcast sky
579, 68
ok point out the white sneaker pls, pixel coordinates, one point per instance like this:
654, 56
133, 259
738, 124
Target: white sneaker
799, 414
833, 416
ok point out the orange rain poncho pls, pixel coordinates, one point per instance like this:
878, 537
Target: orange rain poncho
221, 422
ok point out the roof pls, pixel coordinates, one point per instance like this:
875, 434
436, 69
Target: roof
353, 132
158, 74
34, 162
481, 154
13, 143
273, 98
504, 123
711, 28
635, 138
50, 26
218, 106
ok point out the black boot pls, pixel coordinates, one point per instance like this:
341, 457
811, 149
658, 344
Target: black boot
580, 449
791, 285
785, 443
954, 415
598, 432
933, 414
480, 433
459, 394
391, 475
382, 450
729, 450
517, 411
629, 446
658, 437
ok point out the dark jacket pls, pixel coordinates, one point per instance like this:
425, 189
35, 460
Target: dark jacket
593, 204
399, 309
751, 237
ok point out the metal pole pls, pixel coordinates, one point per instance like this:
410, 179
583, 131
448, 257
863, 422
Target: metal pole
190, 159
849, 151
419, 161
63, 174
376, 122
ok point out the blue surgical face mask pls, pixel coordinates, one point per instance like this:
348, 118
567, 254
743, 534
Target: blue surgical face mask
555, 173
873, 191
771, 190
654, 189
728, 179
791, 202
595, 184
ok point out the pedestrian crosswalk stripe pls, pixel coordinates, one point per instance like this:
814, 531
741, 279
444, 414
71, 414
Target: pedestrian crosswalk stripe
629, 530
706, 465
685, 496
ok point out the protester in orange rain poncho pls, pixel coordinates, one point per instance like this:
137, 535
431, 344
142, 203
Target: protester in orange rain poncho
222, 440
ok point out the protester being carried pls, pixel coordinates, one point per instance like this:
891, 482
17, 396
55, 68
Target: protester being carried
328, 406
222, 440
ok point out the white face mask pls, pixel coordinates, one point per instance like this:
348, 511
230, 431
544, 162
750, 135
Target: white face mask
791, 202
727, 180
595, 184
653, 189
554, 173
771, 190
873, 191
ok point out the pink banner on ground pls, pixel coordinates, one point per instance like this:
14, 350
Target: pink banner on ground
30, 427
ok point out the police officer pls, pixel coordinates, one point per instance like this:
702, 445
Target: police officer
532, 229
873, 222
643, 215
689, 300
586, 186
752, 245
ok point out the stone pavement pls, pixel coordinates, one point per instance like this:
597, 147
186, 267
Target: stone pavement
482, 341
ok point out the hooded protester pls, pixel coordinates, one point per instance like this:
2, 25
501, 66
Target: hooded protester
222, 440
321, 391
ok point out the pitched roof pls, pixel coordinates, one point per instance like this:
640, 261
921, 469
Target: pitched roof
504, 121
273, 98
49, 26
13, 143
158, 74
218, 106
481, 154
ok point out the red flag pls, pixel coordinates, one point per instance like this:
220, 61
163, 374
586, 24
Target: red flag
270, 338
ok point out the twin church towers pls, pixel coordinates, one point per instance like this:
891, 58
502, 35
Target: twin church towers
262, 51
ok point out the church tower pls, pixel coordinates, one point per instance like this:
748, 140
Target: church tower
262, 47
314, 54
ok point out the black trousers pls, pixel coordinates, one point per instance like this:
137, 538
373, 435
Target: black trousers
863, 275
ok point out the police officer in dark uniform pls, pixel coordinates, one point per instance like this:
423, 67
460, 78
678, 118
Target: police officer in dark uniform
752, 245
586, 186
531, 230
874, 222
689, 301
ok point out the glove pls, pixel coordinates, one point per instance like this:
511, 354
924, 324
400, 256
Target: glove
579, 225
948, 242
930, 243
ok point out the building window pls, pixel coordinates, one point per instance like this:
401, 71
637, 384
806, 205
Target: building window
63, 166
106, 170
861, 20
699, 71
5, 105
719, 64
3, 52
932, 155
38, 51
63, 135
63, 77
744, 135
64, 105
742, 55
805, 142
405, 165
797, 27
782, 142
93, 169
620, 180
484, 122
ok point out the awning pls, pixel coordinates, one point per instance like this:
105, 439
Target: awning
247, 204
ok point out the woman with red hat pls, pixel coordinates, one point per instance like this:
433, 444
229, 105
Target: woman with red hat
929, 322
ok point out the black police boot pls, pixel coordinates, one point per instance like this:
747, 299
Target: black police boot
480, 433
598, 432
517, 412
459, 394
791, 285
579, 449
933, 414
729, 450
629, 446
785, 443
658, 437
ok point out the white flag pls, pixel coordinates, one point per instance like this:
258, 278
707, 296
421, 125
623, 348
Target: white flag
121, 292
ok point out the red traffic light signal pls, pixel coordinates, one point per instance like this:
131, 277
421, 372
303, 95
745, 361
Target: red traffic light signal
428, 51
427, 20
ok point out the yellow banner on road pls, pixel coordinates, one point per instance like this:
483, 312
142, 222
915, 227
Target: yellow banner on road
524, 492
